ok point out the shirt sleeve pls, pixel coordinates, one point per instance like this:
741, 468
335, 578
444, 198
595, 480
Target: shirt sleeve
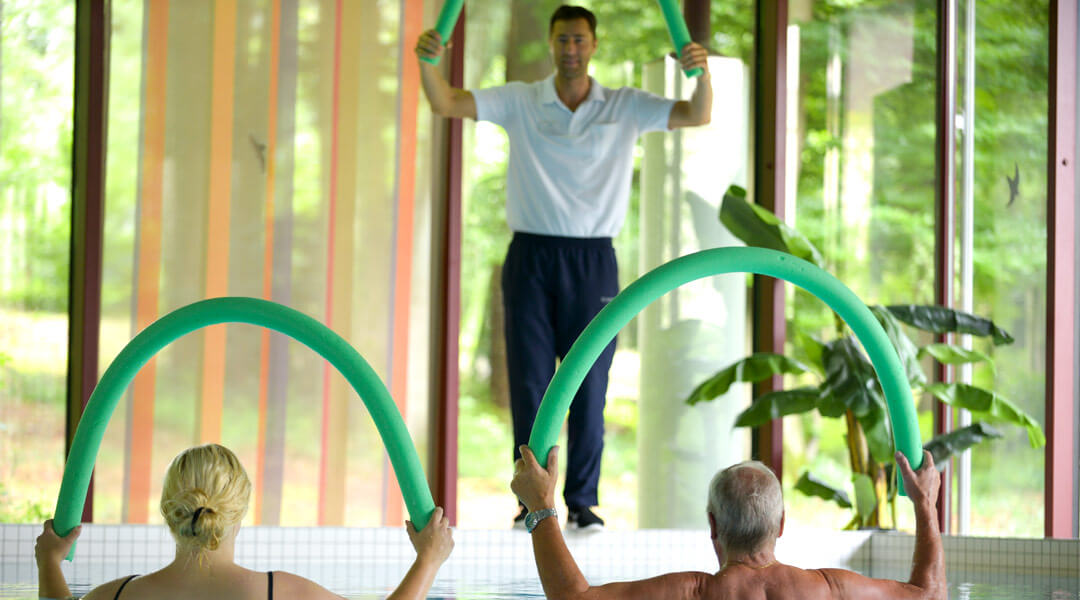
496, 104
651, 111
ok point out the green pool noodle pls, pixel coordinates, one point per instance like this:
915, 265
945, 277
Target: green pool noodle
676, 26
448, 17
297, 325
781, 265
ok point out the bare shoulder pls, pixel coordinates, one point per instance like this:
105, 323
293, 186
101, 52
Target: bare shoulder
106, 591
849, 584
687, 585
295, 586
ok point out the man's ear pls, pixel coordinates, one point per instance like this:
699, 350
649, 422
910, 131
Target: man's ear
782, 516
712, 526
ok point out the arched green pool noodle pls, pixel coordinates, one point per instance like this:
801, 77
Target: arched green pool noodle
448, 17
663, 279
297, 325
680, 36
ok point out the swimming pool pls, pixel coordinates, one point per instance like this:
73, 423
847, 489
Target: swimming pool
367, 563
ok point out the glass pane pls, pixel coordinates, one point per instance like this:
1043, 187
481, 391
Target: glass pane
1008, 206
485, 436
37, 52
254, 152
861, 142
507, 41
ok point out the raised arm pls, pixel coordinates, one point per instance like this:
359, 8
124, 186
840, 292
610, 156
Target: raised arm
445, 100
559, 573
49, 551
433, 546
697, 110
927, 580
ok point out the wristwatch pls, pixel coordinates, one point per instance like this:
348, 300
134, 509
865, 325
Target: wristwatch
533, 519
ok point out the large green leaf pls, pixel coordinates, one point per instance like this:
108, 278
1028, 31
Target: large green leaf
939, 319
878, 435
774, 405
905, 348
812, 486
947, 354
944, 446
811, 348
738, 215
989, 405
865, 498
757, 226
850, 382
751, 369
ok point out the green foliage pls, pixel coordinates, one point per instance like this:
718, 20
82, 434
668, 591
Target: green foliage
947, 354
954, 442
812, 486
26, 511
849, 387
758, 227
866, 500
35, 152
940, 319
631, 30
905, 349
751, 369
850, 382
774, 405
989, 405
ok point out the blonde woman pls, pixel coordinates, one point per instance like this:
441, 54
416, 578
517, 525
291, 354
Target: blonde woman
204, 498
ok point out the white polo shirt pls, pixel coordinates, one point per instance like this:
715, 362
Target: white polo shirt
569, 172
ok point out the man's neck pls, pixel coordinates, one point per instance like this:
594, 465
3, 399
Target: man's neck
757, 559
573, 91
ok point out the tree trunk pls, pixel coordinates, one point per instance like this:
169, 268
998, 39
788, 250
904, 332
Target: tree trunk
527, 56
863, 463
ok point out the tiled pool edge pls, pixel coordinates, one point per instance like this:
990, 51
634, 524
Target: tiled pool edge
1035, 556
319, 552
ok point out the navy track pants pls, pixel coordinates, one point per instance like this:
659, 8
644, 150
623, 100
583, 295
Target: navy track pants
552, 288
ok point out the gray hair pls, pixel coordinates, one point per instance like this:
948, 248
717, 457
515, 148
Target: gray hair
747, 503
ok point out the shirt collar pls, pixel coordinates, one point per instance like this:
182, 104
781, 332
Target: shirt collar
597, 92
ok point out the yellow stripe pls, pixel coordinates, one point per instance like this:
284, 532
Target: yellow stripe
217, 230
149, 256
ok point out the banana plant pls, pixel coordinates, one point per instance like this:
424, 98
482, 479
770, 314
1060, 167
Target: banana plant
847, 387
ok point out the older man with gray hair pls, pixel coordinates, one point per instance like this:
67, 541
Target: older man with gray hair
746, 515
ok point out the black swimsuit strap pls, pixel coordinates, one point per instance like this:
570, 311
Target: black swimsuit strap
270, 582
126, 581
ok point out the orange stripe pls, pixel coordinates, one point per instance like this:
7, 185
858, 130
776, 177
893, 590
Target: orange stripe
217, 229
406, 166
149, 274
330, 499
268, 256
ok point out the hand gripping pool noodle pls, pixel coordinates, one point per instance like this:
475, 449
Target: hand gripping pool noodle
659, 281
676, 26
304, 329
448, 17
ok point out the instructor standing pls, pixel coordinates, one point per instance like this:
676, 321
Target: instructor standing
568, 186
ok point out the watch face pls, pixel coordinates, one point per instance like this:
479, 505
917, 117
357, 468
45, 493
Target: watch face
533, 519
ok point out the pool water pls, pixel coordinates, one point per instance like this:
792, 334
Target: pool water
368, 563
960, 588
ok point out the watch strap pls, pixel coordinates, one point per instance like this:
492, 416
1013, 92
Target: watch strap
533, 519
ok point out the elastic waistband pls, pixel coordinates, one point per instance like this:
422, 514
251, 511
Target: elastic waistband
556, 241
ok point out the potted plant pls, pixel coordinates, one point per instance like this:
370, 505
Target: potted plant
847, 387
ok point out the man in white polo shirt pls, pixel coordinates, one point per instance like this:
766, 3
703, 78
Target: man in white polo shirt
568, 185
